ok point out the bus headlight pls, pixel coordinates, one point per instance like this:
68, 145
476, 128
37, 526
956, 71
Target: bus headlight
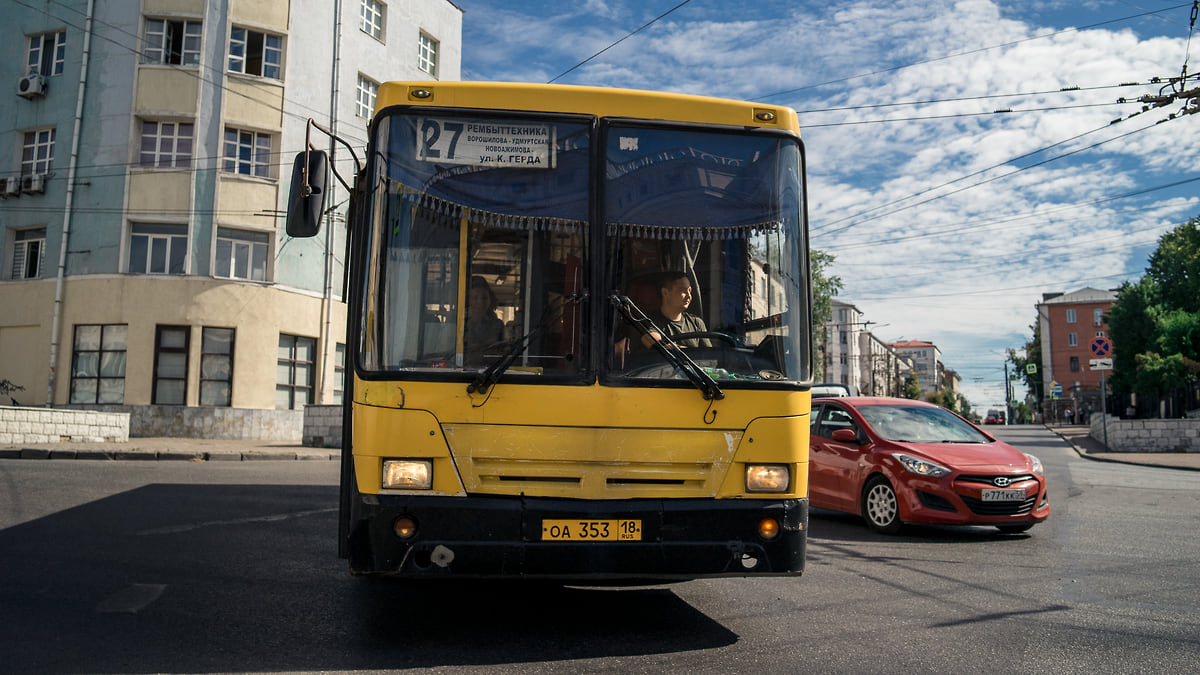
767, 478
407, 474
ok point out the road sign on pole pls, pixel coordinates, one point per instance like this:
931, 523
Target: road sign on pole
1100, 364
1101, 347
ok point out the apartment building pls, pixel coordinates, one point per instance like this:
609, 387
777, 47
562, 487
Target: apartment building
1069, 323
927, 363
145, 266
856, 358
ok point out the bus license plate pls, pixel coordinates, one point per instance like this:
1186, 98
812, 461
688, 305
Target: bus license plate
1003, 495
591, 530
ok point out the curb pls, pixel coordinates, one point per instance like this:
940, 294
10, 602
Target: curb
174, 455
1112, 460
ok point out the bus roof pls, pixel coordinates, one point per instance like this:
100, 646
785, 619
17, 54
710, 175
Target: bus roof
598, 101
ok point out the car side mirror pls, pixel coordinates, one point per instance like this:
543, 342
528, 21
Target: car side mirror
306, 202
845, 436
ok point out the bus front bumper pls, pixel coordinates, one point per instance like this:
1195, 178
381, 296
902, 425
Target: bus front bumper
675, 539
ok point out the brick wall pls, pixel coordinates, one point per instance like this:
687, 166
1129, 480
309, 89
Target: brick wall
322, 426
54, 425
1150, 435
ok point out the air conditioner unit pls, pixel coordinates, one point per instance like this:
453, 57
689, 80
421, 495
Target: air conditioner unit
31, 86
33, 183
10, 187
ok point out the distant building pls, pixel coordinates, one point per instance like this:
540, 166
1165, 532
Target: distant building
927, 362
145, 266
856, 358
1068, 323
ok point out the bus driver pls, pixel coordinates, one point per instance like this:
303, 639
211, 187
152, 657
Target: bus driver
675, 295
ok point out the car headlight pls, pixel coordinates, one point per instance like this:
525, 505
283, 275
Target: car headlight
767, 478
407, 474
1037, 465
920, 466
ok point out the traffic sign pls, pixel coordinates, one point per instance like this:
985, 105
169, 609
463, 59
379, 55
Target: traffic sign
1101, 364
1031, 368
1101, 347
1055, 390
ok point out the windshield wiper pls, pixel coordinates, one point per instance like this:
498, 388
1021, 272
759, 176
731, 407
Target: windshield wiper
667, 347
488, 377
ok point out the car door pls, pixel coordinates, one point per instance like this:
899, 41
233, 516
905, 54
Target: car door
833, 464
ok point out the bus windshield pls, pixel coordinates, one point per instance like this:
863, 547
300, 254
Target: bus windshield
483, 225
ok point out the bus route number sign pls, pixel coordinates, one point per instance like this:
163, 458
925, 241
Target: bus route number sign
591, 530
482, 143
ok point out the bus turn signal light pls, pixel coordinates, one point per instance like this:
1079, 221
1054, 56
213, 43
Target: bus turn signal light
404, 527
768, 528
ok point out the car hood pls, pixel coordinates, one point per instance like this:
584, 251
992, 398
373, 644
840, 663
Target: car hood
974, 455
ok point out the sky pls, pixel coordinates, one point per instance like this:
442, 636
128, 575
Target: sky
964, 157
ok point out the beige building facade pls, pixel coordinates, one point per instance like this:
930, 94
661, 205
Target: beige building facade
144, 261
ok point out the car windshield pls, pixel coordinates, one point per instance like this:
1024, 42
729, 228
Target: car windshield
919, 424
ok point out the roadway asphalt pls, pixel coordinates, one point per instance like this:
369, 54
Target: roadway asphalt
203, 449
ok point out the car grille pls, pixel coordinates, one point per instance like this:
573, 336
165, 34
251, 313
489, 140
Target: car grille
990, 480
982, 508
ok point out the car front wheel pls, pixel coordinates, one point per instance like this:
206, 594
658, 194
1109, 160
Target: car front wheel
880, 508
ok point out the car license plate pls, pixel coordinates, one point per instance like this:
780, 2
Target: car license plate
591, 530
1003, 495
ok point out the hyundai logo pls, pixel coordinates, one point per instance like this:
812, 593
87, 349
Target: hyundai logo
1001, 481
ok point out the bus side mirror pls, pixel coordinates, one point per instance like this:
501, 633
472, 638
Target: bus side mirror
306, 201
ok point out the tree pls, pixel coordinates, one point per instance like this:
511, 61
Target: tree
1175, 267
1132, 328
1155, 321
912, 387
825, 286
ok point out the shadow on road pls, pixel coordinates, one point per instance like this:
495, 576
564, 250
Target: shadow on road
202, 578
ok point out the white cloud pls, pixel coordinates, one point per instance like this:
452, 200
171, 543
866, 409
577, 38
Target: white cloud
960, 266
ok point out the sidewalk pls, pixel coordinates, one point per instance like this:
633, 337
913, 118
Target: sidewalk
1090, 448
185, 449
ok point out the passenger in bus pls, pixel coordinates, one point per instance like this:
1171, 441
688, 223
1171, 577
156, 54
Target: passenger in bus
483, 328
675, 295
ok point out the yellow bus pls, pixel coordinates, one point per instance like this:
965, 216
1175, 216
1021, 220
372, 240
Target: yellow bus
579, 335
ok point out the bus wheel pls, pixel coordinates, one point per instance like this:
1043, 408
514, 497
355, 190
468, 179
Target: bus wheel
880, 508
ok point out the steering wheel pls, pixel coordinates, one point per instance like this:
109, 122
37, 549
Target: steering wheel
710, 334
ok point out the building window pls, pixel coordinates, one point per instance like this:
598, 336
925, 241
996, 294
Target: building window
172, 42
171, 365
1072, 340
1099, 333
216, 367
247, 153
1098, 316
427, 49
98, 364
1074, 364
367, 90
37, 152
372, 15
47, 53
294, 372
1070, 316
29, 253
157, 248
242, 254
339, 372
255, 53
166, 145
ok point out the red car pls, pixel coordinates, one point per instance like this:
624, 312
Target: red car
897, 461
